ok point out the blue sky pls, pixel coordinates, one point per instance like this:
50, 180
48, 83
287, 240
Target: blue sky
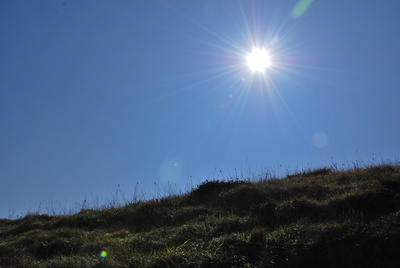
157, 95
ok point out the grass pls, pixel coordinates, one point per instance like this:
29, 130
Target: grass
317, 218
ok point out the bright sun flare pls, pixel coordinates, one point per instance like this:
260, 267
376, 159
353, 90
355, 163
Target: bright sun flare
258, 60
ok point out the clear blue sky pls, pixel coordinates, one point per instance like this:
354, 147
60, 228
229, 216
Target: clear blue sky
96, 94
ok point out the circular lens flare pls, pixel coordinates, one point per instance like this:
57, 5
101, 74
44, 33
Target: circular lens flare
258, 60
103, 254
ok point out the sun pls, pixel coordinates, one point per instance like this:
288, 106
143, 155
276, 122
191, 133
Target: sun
258, 60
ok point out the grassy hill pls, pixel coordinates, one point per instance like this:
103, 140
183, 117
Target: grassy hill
320, 218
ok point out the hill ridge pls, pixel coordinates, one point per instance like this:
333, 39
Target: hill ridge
318, 218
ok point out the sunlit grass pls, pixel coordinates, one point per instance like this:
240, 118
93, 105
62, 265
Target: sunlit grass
312, 218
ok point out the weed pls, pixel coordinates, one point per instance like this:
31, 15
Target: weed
329, 217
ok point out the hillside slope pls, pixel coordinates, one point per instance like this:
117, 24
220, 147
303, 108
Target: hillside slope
321, 218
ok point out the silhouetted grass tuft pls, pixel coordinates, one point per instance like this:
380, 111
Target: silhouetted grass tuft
316, 218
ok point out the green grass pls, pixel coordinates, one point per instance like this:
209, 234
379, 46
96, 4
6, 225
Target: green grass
319, 218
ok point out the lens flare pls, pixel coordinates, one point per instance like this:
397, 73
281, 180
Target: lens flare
103, 254
320, 139
300, 8
170, 171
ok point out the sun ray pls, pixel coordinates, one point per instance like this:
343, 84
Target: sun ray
255, 56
